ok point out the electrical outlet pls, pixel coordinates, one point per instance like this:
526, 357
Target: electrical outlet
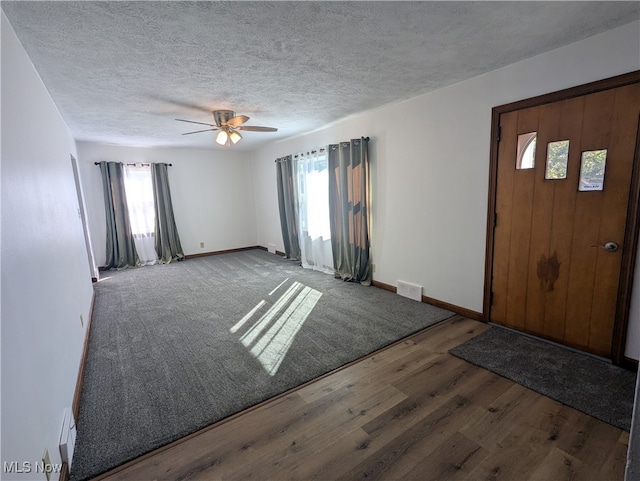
201, 244
373, 267
46, 464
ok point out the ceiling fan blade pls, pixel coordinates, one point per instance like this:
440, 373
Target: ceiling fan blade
179, 103
237, 121
255, 128
194, 122
198, 131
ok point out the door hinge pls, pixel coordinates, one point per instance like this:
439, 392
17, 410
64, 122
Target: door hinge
499, 133
495, 219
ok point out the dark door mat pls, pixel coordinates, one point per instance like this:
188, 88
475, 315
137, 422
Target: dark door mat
591, 385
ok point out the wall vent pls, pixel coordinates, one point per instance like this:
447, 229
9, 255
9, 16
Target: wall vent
412, 291
67, 437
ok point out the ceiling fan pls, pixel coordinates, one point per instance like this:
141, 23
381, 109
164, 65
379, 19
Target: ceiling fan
228, 124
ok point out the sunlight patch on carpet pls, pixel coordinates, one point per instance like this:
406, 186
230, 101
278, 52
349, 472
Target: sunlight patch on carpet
271, 336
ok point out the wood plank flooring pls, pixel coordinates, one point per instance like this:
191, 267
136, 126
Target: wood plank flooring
411, 411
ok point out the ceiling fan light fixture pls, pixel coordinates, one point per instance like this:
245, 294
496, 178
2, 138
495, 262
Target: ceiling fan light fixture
235, 136
227, 123
222, 137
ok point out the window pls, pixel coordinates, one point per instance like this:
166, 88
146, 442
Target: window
526, 154
557, 158
139, 189
312, 193
592, 170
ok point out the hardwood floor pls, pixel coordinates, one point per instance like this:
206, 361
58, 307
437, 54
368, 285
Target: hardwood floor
411, 411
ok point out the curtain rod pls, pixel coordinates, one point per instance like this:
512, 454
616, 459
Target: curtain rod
98, 163
366, 139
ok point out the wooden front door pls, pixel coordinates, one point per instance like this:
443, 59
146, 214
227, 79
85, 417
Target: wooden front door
562, 187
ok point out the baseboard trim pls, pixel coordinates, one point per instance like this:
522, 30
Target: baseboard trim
213, 253
226, 251
279, 253
64, 472
75, 406
386, 287
630, 364
463, 311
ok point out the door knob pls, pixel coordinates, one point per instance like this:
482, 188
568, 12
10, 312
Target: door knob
609, 246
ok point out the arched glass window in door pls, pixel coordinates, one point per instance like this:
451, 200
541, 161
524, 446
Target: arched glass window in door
526, 154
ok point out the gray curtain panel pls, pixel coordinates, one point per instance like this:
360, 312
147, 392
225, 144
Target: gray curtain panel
167, 240
121, 250
349, 210
288, 207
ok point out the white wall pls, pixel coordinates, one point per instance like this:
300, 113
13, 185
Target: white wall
430, 168
46, 282
633, 333
211, 191
429, 210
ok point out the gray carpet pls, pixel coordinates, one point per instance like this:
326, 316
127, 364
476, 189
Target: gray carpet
174, 348
583, 382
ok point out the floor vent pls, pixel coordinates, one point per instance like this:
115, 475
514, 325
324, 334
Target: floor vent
412, 291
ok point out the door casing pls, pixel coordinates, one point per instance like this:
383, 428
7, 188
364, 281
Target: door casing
633, 211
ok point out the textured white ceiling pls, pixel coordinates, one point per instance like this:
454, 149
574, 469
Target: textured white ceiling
121, 72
